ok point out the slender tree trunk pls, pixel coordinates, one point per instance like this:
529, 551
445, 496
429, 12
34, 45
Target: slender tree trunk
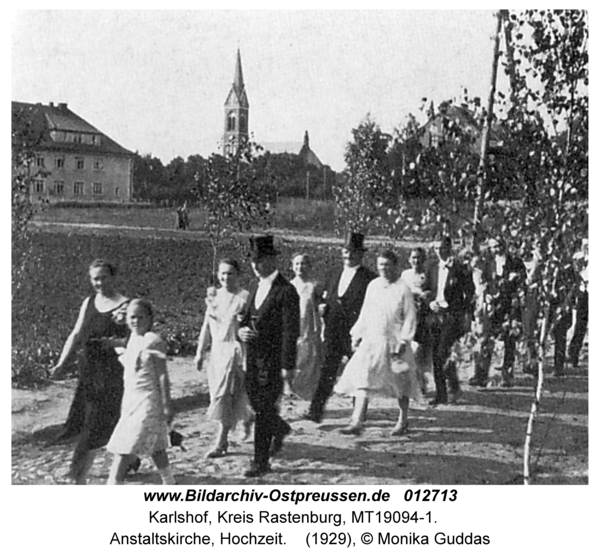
485, 136
536, 401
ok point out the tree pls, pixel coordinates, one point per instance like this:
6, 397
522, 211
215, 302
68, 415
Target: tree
536, 190
148, 178
26, 137
550, 107
363, 197
436, 164
234, 196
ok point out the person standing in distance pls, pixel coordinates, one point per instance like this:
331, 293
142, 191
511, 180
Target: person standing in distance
270, 326
344, 294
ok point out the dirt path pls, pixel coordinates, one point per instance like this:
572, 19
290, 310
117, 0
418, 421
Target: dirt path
477, 441
280, 234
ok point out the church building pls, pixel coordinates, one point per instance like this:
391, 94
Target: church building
237, 109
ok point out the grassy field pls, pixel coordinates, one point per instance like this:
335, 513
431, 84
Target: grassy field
316, 216
171, 271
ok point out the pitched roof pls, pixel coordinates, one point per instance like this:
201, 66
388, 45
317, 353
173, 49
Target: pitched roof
48, 119
237, 94
282, 147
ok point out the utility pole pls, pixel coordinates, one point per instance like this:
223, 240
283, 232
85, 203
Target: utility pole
485, 139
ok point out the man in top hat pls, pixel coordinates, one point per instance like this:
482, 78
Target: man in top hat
452, 291
343, 298
270, 326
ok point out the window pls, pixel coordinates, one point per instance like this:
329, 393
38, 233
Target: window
231, 121
97, 188
79, 163
59, 162
39, 161
78, 188
38, 186
59, 187
117, 191
98, 165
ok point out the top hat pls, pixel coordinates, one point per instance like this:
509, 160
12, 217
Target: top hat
261, 246
354, 241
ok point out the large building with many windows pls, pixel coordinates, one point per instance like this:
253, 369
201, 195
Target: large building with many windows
73, 160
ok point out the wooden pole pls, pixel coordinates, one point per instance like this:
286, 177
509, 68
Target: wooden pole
485, 139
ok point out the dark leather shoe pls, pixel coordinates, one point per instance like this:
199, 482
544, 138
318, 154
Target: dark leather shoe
438, 401
455, 396
257, 470
352, 430
480, 382
313, 416
134, 466
277, 442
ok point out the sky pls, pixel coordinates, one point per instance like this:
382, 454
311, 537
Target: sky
156, 81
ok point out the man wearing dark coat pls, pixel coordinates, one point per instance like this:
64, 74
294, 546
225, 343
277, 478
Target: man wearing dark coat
450, 284
505, 294
270, 326
344, 294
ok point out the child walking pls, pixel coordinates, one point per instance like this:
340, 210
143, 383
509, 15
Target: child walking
146, 409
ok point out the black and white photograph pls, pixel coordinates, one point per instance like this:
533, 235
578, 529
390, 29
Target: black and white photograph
300, 247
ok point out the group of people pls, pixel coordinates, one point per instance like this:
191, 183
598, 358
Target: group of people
360, 333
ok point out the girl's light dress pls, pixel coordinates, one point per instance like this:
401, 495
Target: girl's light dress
308, 361
225, 369
386, 319
142, 428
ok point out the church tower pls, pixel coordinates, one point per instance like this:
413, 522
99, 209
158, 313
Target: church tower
236, 112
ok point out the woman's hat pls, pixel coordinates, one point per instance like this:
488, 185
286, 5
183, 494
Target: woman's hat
355, 241
261, 246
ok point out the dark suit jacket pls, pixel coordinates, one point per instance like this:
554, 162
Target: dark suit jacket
459, 290
508, 289
342, 312
278, 325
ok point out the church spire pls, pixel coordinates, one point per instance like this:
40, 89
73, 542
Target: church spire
238, 81
306, 138
237, 110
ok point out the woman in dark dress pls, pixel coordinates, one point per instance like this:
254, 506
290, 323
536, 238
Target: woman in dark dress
96, 405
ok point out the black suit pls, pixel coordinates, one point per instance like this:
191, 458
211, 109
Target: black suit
277, 323
340, 315
448, 325
507, 294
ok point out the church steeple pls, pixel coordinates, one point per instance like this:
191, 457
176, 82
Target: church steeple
238, 81
237, 111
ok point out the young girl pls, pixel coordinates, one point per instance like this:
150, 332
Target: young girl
228, 399
308, 360
146, 409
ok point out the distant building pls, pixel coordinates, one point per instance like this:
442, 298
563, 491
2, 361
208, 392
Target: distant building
237, 112
435, 131
73, 159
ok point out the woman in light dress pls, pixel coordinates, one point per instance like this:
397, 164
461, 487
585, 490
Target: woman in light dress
225, 367
146, 410
383, 363
308, 360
